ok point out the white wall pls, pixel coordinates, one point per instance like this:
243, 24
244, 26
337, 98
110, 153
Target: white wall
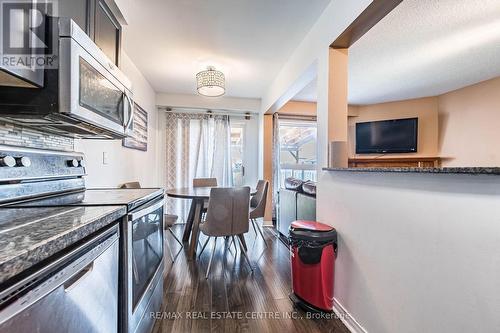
417, 252
312, 53
334, 19
216, 103
125, 164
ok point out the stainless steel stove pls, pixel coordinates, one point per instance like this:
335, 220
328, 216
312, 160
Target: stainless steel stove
40, 178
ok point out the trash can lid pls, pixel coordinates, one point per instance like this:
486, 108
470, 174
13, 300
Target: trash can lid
311, 225
312, 231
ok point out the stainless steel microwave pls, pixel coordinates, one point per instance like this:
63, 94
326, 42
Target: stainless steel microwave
85, 96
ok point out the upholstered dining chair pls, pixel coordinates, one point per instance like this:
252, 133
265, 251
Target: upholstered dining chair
258, 206
204, 182
131, 185
227, 216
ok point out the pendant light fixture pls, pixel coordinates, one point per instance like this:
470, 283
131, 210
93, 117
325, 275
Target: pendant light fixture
211, 82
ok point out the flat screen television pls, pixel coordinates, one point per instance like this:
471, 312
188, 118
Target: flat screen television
387, 136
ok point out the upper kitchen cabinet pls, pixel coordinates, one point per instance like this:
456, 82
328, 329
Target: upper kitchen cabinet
24, 47
99, 21
107, 31
78, 11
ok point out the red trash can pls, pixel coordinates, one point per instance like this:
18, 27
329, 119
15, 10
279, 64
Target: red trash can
313, 248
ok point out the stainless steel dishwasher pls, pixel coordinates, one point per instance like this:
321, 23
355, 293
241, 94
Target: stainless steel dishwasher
77, 292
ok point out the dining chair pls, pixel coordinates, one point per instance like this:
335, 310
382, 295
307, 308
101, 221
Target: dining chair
258, 206
227, 216
131, 185
204, 182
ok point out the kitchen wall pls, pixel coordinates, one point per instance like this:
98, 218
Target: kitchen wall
469, 120
14, 135
125, 164
425, 109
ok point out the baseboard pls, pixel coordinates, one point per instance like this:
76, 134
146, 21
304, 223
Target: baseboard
347, 319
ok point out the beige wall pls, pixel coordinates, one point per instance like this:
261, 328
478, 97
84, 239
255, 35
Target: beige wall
426, 109
298, 108
268, 163
469, 125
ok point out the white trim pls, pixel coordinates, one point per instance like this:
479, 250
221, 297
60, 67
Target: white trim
346, 318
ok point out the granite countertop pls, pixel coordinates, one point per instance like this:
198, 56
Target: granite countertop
454, 170
30, 235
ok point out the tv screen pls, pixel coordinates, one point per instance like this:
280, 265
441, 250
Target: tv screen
387, 136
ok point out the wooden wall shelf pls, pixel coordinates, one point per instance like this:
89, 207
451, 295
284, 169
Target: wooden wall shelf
397, 162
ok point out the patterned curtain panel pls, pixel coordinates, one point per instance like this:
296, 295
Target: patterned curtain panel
198, 146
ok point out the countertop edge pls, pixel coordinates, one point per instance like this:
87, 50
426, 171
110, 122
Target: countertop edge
33, 256
494, 171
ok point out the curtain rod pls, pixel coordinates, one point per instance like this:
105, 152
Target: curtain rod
215, 112
296, 117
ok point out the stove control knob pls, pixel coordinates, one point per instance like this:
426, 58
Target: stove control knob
73, 163
81, 163
23, 162
7, 161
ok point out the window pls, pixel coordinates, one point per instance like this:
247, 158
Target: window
297, 149
237, 151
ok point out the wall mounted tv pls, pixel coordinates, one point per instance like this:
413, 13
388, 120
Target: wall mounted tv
387, 136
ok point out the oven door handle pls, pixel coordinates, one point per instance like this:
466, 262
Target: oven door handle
145, 211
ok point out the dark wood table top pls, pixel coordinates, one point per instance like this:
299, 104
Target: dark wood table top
194, 192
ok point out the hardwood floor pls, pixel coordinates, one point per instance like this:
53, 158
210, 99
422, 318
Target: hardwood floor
233, 299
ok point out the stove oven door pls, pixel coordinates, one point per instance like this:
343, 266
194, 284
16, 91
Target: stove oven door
144, 265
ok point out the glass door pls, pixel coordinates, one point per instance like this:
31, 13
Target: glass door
297, 155
147, 250
237, 153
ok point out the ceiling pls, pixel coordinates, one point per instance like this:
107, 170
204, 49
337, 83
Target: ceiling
426, 48
249, 40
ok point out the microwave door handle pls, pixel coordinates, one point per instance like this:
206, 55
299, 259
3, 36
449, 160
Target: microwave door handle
131, 111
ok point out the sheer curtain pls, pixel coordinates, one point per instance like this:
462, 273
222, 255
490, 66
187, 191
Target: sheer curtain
197, 146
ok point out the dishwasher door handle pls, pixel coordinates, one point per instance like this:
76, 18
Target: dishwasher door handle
78, 277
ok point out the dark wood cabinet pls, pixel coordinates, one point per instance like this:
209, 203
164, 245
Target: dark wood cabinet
78, 10
107, 31
401, 162
98, 21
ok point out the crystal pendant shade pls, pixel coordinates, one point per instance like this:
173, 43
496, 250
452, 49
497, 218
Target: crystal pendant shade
211, 82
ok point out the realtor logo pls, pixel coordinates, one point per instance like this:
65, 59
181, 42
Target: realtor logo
25, 35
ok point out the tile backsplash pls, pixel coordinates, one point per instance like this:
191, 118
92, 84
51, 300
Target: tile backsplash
15, 135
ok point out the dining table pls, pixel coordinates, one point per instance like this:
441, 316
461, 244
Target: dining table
198, 197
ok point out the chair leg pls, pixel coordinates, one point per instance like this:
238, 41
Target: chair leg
170, 251
203, 248
175, 237
253, 226
211, 258
244, 253
261, 233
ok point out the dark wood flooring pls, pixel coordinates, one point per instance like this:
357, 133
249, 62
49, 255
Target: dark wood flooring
233, 299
